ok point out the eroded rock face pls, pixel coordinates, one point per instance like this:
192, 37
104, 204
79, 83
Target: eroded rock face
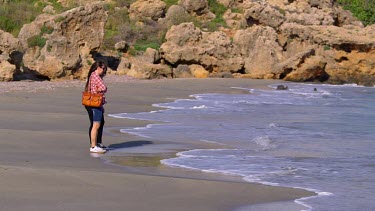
147, 9
69, 39
347, 52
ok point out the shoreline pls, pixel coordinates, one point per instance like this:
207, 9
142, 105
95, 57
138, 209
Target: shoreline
37, 139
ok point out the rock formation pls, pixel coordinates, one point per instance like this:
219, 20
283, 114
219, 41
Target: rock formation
8, 46
292, 40
187, 44
68, 39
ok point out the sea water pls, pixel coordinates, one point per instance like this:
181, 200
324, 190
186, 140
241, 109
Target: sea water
315, 137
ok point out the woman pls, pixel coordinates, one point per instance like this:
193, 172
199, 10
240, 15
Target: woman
95, 84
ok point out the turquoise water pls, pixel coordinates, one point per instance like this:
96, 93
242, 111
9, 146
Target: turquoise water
321, 140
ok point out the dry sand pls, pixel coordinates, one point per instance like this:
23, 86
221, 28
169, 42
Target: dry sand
45, 162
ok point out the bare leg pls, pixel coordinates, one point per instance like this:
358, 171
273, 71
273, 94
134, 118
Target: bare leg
90, 113
100, 131
94, 133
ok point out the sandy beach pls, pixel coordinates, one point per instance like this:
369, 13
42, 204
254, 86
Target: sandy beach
45, 162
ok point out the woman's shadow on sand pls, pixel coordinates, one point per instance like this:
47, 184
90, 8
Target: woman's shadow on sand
130, 144
124, 145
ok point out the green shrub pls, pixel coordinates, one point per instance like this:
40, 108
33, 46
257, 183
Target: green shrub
8, 25
184, 18
123, 3
49, 48
36, 40
141, 35
219, 10
327, 47
59, 19
364, 10
46, 30
142, 45
132, 51
236, 10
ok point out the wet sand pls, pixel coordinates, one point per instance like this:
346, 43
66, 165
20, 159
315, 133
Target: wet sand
45, 162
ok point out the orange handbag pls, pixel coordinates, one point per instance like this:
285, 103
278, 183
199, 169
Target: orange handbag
91, 99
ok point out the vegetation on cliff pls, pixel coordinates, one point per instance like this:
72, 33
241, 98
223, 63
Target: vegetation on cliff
364, 10
16, 13
120, 27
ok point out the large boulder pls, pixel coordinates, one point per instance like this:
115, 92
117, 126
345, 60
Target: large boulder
7, 70
9, 50
65, 41
174, 16
264, 14
260, 49
147, 9
198, 71
312, 69
143, 67
142, 70
8, 43
187, 44
182, 71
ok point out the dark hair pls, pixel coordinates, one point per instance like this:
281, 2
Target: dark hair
93, 67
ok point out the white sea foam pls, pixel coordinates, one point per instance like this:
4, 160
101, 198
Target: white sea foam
273, 125
213, 142
242, 88
200, 107
134, 133
300, 201
265, 142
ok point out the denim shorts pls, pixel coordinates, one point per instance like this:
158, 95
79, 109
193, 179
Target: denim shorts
97, 114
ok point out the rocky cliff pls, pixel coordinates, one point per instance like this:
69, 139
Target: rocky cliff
294, 40
54, 46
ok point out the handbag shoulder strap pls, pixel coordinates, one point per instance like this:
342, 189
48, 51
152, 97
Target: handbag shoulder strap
88, 89
90, 84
